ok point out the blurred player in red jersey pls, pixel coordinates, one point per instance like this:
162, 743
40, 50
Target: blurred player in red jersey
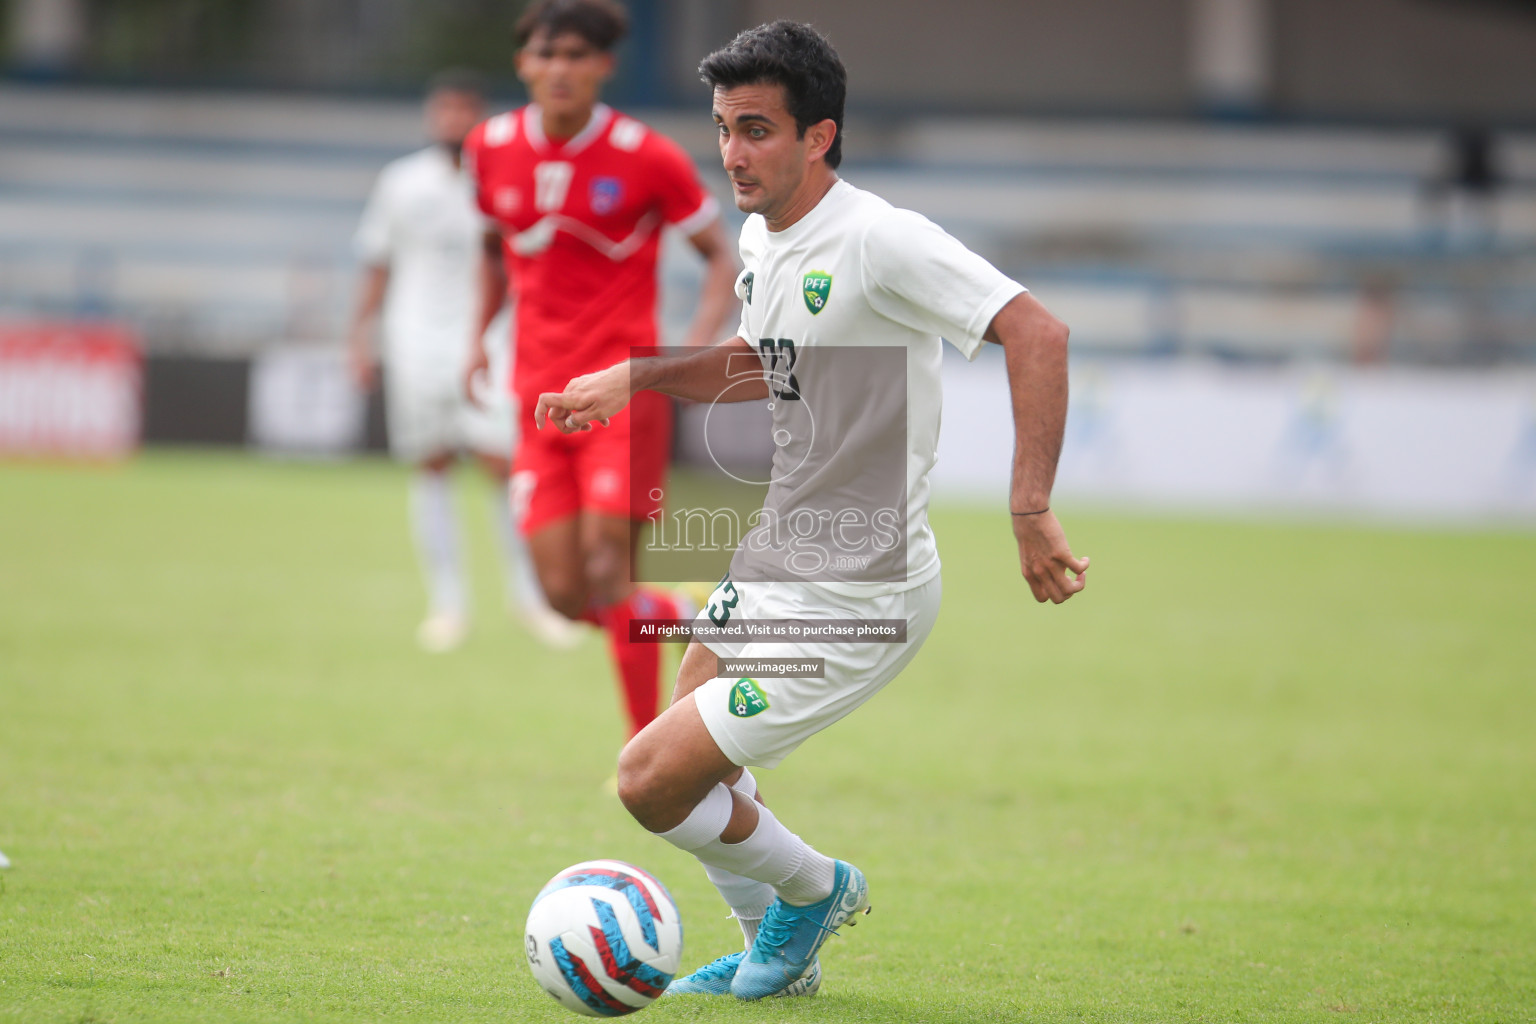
580, 195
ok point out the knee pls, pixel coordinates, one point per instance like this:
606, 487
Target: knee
638, 787
566, 595
572, 602
607, 572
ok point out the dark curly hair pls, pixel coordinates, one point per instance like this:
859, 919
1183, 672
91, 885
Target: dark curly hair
792, 55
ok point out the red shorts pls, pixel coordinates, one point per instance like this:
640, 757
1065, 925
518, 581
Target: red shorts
618, 470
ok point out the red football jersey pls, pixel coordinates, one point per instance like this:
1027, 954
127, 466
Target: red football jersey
582, 221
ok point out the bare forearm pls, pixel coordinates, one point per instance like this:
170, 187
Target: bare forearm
718, 295
1035, 350
716, 300
370, 299
727, 372
493, 285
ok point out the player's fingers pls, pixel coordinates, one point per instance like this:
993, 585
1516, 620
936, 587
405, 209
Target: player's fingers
586, 416
1061, 585
1077, 565
1070, 586
1036, 585
542, 410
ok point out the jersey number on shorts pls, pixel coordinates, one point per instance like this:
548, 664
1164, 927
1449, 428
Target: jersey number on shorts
781, 380
720, 613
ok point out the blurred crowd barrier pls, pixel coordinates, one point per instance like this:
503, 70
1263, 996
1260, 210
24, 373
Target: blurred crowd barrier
1408, 444
69, 391
1417, 444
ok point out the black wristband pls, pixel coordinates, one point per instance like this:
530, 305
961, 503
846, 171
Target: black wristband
1036, 512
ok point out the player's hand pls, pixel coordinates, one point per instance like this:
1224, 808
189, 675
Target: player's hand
588, 399
477, 371
1045, 559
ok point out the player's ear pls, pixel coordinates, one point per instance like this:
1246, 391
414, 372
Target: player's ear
610, 64
820, 137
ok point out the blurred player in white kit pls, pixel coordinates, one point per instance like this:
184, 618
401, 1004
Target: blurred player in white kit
420, 244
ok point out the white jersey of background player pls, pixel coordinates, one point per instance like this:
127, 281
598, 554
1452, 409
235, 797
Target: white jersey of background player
816, 245
420, 244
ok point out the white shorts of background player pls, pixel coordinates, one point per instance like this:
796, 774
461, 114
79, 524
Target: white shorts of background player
428, 418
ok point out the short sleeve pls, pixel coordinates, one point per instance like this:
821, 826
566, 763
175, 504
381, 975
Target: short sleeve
470, 159
920, 276
371, 243
743, 284
683, 200
749, 248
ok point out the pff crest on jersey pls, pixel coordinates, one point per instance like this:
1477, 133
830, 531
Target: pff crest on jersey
817, 288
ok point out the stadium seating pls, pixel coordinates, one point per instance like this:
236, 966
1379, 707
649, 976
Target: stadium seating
223, 222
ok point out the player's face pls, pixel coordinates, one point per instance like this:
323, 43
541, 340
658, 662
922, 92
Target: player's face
564, 73
767, 162
451, 115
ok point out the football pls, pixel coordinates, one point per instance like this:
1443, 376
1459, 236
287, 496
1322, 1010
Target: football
604, 938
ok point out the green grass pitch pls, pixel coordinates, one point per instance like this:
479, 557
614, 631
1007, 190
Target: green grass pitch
1255, 772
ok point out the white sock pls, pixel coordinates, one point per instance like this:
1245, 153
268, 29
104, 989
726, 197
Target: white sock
705, 822
517, 567
746, 785
436, 530
747, 897
772, 853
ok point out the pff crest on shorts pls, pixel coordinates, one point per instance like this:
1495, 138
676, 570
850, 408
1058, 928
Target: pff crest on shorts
747, 699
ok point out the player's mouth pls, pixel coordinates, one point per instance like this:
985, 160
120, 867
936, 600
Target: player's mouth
743, 185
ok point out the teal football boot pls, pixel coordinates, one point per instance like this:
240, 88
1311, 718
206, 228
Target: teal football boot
790, 936
714, 979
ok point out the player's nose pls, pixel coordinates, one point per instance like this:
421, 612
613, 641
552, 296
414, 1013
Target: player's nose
733, 153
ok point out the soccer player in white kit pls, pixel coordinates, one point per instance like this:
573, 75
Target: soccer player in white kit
835, 278
420, 245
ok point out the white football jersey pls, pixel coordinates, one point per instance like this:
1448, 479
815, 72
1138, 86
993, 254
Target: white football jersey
421, 221
848, 309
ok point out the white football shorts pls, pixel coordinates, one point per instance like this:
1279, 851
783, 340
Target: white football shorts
428, 418
761, 720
